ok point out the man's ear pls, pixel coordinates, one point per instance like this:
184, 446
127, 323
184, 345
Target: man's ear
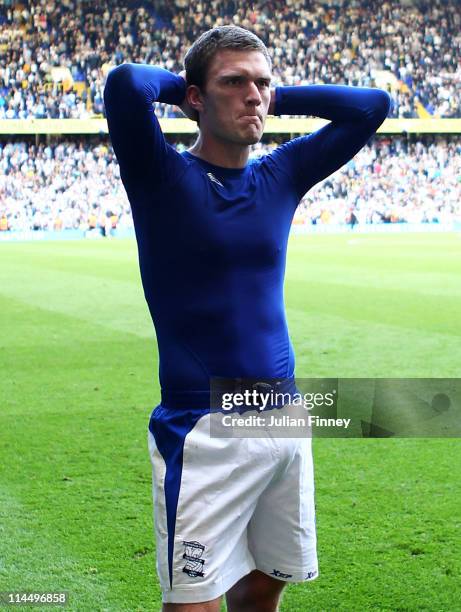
195, 98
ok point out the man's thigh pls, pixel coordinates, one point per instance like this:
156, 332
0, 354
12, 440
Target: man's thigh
204, 498
282, 533
255, 592
206, 606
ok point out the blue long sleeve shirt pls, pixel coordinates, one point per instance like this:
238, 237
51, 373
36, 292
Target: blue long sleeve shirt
212, 241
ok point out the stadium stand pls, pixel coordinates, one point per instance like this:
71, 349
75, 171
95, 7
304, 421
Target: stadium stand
71, 185
55, 55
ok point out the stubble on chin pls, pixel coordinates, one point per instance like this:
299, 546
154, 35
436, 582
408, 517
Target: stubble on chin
250, 140
253, 137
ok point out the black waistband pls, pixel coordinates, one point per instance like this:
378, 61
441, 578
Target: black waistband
278, 390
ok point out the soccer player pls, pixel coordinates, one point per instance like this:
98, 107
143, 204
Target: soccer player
232, 515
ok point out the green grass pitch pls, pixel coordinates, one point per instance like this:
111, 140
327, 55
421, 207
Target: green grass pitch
78, 380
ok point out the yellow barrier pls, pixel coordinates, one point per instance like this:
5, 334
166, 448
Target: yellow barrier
274, 125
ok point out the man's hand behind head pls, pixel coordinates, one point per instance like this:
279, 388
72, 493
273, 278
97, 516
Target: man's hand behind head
185, 106
272, 103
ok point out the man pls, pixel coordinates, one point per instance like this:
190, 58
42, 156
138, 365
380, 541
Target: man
233, 516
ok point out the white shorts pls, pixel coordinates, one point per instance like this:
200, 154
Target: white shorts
226, 506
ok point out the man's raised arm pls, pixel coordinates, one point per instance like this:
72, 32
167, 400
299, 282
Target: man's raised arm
355, 113
138, 142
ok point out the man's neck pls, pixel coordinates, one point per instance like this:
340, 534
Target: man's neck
221, 153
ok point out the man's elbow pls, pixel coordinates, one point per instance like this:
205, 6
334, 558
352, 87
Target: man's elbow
382, 105
118, 81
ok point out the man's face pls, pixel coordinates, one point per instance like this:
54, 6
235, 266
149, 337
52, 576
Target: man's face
237, 96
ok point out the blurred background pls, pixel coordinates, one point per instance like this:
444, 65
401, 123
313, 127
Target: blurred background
373, 290
62, 175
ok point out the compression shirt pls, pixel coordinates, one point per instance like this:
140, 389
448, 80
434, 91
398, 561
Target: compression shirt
212, 241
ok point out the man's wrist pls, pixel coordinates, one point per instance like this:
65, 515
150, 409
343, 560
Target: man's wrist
271, 110
185, 107
182, 74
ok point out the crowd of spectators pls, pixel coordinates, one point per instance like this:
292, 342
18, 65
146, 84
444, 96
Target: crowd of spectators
68, 185
55, 55
72, 185
393, 181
